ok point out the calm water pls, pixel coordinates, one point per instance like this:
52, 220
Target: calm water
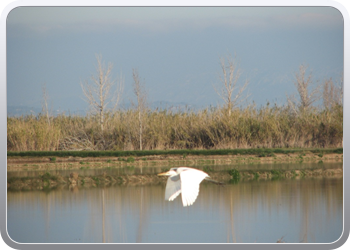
299, 210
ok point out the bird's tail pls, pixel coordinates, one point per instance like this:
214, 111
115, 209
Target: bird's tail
213, 181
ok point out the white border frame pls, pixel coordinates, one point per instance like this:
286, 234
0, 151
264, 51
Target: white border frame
286, 3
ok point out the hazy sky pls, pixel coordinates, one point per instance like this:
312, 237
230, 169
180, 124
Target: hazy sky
175, 49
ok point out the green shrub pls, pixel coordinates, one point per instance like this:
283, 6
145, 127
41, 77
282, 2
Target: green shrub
130, 159
234, 174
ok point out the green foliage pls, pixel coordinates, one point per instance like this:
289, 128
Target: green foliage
276, 174
207, 169
130, 159
96, 179
263, 154
235, 174
120, 154
256, 175
47, 177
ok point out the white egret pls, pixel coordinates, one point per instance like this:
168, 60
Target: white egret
186, 181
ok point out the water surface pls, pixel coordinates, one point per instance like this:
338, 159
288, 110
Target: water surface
261, 211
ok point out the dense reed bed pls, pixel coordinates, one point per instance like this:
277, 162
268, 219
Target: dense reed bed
251, 127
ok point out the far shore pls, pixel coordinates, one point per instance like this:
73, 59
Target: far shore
23, 163
73, 171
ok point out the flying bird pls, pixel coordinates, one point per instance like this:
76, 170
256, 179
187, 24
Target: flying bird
186, 181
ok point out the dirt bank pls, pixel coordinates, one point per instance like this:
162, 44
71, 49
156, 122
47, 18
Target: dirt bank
32, 163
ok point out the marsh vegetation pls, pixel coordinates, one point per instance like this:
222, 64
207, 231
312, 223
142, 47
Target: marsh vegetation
298, 124
211, 128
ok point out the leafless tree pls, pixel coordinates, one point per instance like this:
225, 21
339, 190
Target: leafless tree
141, 96
98, 92
332, 94
307, 95
44, 104
230, 91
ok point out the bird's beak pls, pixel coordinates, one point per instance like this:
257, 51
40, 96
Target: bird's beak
162, 174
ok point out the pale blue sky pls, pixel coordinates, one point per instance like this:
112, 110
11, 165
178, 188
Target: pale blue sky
175, 49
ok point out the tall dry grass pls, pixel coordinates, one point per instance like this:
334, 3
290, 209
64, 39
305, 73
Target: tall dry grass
211, 128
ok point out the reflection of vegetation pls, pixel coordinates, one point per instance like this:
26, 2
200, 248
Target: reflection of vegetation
236, 176
264, 200
276, 174
48, 189
233, 181
130, 167
207, 169
256, 175
13, 179
129, 174
47, 177
120, 180
96, 179
164, 169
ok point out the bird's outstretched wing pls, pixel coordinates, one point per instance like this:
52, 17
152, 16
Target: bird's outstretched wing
173, 188
190, 180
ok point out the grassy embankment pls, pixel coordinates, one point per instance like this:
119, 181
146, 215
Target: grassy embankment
80, 160
108, 161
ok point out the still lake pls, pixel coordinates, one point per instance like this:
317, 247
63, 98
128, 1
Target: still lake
308, 210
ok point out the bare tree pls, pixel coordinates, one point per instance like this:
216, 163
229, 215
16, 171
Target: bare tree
98, 93
307, 96
230, 91
332, 94
141, 96
44, 104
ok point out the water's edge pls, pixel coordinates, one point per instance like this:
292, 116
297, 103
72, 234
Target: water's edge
39, 180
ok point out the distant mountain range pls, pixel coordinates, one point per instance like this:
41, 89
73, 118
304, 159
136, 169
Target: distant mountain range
21, 110
25, 110
161, 105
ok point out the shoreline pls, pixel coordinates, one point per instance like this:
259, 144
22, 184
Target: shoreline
47, 181
83, 172
20, 163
